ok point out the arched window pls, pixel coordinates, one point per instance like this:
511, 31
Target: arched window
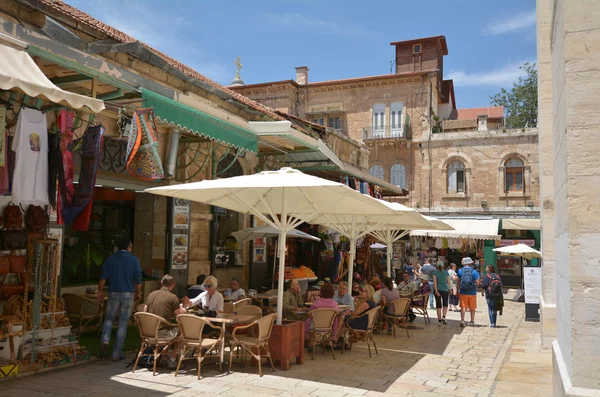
398, 175
513, 175
376, 171
456, 177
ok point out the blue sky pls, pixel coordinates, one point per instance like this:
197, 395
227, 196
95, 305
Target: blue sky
487, 40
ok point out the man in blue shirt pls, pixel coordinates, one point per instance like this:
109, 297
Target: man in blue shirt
343, 297
428, 269
123, 272
468, 280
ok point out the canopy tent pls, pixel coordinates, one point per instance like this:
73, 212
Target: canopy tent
390, 234
521, 250
521, 224
19, 71
479, 229
283, 199
360, 224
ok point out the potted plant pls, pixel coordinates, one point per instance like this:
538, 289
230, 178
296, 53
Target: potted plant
85, 252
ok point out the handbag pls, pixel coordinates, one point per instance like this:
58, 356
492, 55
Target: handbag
36, 218
17, 263
9, 290
4, 265
13, 217
13, 240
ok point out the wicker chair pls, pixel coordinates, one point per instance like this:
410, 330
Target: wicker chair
228, 308
400, 314
82, 310
149, 327
322, 320
191, 327
241, 303
422, 309
259, 343
249, 310
361, 335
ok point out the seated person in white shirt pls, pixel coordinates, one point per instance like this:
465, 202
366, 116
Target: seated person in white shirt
235, 293
210, 301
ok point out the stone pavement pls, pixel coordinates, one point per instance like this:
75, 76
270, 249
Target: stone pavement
446, 360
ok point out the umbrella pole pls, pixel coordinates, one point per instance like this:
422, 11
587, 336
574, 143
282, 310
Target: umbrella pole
389, 253
283, 225
274, 263
352, 252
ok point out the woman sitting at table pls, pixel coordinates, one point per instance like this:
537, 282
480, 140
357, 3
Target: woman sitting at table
325, 301
211, 301
361, 323
389, 294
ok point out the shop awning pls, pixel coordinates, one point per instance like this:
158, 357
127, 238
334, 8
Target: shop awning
19, 71
521, 224
479, 229
199, 123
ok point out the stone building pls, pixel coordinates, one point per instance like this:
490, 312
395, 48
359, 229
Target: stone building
449, 161
568, 34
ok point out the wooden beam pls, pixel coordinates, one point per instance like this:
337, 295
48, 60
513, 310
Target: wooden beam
74, 78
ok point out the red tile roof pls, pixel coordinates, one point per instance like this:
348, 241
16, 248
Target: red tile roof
81, 17
493, 112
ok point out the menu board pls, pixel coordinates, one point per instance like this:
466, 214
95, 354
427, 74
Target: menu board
181, 214
179, 255
260, 254
533, 284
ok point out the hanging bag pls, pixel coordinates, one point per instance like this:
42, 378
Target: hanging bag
36, 218
13, 240
4, 265
13, 217
17, 263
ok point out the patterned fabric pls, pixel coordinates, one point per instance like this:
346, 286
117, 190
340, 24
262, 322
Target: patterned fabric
65, 178
143, 156
12, 160
4, 178
92, 143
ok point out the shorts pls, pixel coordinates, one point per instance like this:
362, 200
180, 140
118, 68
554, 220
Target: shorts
468, 302
442, 300
454, 300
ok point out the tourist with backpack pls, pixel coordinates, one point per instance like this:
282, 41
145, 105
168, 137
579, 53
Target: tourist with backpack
468, 280
492, 288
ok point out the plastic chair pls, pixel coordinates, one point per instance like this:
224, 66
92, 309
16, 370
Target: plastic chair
400, 314
82, 310
322, 332
149, 326
364, 335
259, 343
191, 327
422, 309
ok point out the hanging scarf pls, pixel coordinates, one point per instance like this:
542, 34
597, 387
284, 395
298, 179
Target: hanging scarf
4, 178
65, 176
143, 156
92, 143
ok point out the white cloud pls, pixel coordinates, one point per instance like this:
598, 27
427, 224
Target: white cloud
511, 24
301, 22
504, 76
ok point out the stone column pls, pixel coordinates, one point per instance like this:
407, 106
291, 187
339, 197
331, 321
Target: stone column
544, 65
575, 48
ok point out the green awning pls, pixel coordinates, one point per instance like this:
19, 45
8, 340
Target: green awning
199, 123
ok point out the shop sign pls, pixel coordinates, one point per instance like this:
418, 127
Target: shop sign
259, 254
532, 277
506, 243
181, 214
179, 255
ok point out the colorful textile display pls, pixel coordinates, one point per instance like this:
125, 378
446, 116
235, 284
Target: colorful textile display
65, 178
4, 177
143, 156
92, 143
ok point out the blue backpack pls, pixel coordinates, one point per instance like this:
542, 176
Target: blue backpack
466, 280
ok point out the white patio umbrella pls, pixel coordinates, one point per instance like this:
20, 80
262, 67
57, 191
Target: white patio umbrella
269, 231
522, 250
360, 224
377, 246
283, 199
389, 234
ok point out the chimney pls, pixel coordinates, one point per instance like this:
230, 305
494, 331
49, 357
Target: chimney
302, 75
482, 120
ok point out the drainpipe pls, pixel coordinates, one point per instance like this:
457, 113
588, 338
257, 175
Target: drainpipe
172, 152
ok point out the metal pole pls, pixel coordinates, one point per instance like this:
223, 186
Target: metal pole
352, 251
283, 224
389, 242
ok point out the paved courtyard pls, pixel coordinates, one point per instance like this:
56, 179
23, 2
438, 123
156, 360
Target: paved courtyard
446, 360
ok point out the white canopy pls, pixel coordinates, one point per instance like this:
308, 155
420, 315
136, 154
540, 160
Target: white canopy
522, 250
283, 199
268, 231
479, 229
521, 224
18, 70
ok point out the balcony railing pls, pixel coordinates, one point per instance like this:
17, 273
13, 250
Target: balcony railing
385, 132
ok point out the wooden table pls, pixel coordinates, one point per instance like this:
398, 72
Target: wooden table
225, 319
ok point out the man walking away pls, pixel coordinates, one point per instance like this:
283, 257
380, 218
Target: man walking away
428, 269
123, 272
492, 288
469, 279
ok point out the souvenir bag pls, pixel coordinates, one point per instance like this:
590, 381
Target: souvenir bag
35, 218
4, 265
143, 156
13, 217
17, 263
13, 240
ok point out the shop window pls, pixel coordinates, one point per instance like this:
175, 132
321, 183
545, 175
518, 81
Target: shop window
456, 177
376, 171
398, 175
513, 175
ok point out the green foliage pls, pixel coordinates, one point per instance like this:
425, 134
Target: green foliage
86, 252
521, 102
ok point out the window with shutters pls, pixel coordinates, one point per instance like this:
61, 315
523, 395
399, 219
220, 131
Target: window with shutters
513, 175
334, 122
456, 177
376, 171
396, 119
320, 121
378, 120
398, 175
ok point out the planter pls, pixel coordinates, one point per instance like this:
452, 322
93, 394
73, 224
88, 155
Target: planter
287, 341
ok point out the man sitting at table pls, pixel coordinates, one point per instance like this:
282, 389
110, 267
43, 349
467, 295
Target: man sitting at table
236, 293
163, 302
406, 287
197, 288
292, 299
211, 301
343, 297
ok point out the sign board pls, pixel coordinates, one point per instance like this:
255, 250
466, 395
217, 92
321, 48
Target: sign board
532, 277
181, 214
506, 243
179, 256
